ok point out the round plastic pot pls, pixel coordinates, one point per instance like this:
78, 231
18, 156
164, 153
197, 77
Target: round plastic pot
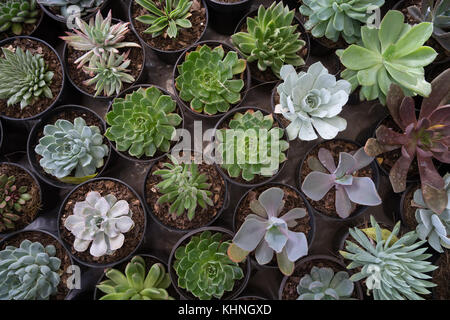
244, 298
184, 294
125, 155
226, 15
63, 21
2, 134
401, 212
175, 74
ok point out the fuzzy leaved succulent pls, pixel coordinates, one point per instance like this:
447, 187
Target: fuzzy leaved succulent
12, 198
338, 18
69, 8
30, 272
207, 79
349, 188
101, 221
24, 77
391, 54
143, 122
392, 270
324, 284
166, 19
14, 14
424, 138
265, 232
271, 39
312, 101
68, 148
203, 267
135, 284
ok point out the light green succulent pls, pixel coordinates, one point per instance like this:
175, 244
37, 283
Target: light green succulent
12, 198
14, 14
70, 8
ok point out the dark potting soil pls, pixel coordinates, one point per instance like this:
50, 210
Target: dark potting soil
202, 215
441, 277
409, 212
185, 37
27, 28
122, 192
43, 103
61, 253
327, 204
32, 206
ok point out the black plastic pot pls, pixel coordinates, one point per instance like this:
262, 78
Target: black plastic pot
401, 212
244, 298
63, 84
2, 134
292, 4
68, 246
122, 95
361, 209
184, 294
33, 140
169, 57
331, 259
63, 21
218, 126
175, 74
226, 15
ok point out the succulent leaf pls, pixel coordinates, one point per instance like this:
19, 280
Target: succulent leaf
12, 199
14, 14
69, 8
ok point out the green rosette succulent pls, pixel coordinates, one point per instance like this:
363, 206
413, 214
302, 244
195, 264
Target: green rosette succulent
12, 198
70, 8
208, 79
14, 14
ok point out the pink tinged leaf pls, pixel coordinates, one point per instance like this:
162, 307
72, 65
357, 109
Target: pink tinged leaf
346, 164
363, 191
441, 116
250, 234
434, 194
362, 159
393, 102
442, 157
428, 173
399, 172
327, 160
407, 112
317, 184
373, 148
263, 253
386, 135
296, 246
342, 203
294, 214
271, 200
440, 94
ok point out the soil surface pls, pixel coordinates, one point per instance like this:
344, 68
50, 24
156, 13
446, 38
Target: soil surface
441, 277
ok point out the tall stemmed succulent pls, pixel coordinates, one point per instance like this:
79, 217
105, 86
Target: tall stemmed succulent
349, 188
312, 101
70, 8
267, 233
392, 54
271, 39
425, 138
14, 14
12, 198
393, 270
207, 80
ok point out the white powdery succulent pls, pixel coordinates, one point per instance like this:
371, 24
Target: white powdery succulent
101, 221
311, 101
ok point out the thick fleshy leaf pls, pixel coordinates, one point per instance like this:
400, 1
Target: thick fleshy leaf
317, 184
250, 234
342, 203
263, 254
363, 191
296, 246
271, 199
440, 94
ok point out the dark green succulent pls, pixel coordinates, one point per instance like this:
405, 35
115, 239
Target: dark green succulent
12, 198
14, 14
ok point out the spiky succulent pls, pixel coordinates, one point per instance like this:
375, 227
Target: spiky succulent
338, 18
207, 79
166, 19
203, 267
24, 77
70, 8
30, 272
271, 39
12, 198
424, 138
251, 146
67, 147
266, 232
184, 187
349, 188
438, 13
14, 14
97, 37
393, 270
101, 221
324, 284
312, 101
135, 284
143, 122
392, 53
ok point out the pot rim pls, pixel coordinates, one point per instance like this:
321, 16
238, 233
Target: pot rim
228, 4
64, 20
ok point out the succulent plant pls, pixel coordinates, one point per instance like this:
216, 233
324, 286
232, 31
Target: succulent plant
168, 18
271, 40
14, 14
266, 232
24, 77
203, 267
30, 272
143, 122
97, 37
338, 18
12, 198
425, 138
349, 188
73, 7
251, 146
207, 80
432, 226
68, 146
392, 54
438, 13
184, 187
393, 271
312, 101
135, 284
101, 221
324, 284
